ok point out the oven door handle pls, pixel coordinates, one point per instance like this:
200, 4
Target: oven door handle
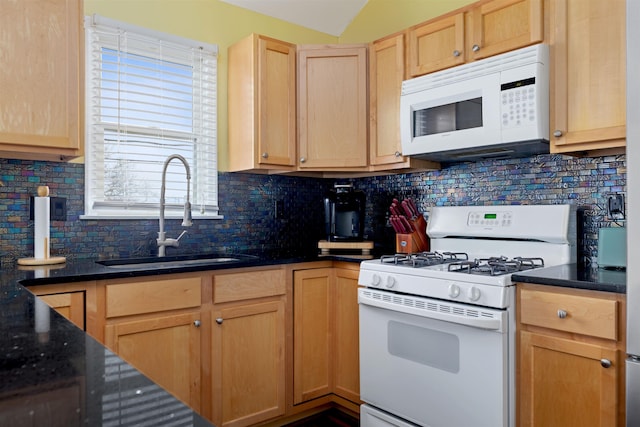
476, 317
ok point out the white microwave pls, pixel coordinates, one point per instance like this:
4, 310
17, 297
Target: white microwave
497, 107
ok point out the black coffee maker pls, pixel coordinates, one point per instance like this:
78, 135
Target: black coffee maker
344, 214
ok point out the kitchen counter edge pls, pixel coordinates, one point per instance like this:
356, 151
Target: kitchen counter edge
576, 276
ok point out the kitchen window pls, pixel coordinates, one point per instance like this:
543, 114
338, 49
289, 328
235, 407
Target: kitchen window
148, 95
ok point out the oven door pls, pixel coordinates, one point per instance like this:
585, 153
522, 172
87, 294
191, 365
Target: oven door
432, 362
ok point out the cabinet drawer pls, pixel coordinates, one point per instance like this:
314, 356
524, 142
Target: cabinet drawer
584, 315
124, 299
242, 286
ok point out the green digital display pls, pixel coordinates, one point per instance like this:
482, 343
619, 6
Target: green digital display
490, 216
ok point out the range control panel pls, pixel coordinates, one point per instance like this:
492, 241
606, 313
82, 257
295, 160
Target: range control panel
489, 219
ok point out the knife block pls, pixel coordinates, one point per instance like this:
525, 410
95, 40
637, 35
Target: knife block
410, 243
406, 243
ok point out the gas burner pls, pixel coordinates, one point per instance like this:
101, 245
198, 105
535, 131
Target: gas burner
424, 259
496, 266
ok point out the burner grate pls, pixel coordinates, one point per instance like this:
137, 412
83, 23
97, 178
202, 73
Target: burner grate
495, 266
424, 259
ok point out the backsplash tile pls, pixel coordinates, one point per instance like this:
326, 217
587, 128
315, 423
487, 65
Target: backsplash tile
544, 179
247, 202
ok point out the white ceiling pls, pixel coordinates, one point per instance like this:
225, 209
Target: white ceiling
327, 16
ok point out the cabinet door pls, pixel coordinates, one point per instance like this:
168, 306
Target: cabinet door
332, 91
165, 348
347, 335
588, 75
313, 347
436, 45
277, 98
69, 304
262, 104
386, 72
248, 363
503, 25
566, 382
40, 77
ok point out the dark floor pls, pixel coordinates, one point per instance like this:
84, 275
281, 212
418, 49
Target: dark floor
329, 418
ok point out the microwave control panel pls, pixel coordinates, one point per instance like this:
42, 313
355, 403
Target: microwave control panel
518, 100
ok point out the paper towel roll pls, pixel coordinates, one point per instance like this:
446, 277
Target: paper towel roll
41, 227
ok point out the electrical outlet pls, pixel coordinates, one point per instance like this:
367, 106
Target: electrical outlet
57, 208
615, 206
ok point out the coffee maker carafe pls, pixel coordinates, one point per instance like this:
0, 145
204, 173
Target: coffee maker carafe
344, 214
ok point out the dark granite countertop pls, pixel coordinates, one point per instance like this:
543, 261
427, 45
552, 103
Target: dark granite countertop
59, 372
575, 276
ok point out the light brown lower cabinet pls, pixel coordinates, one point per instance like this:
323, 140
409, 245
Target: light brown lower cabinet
220, 341
347, 335
326, 349
248, 347
68, 304
571, 357
70, 300
155, 324
166, 348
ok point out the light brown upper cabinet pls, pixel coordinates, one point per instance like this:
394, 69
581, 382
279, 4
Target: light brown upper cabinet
587, 91
262, 104
386, 72
436, 45
332, 107
480, 30
41, 77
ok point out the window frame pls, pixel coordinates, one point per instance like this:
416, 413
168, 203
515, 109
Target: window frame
96, 207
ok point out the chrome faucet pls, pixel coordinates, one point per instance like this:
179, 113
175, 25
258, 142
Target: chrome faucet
162, 240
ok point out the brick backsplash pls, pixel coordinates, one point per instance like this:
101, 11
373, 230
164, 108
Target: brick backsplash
247, 202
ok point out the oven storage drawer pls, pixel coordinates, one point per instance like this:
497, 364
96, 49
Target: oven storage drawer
579, 314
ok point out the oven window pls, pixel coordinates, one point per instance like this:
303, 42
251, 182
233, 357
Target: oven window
428, 347
459, 115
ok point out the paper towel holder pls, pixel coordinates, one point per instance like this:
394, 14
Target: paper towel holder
42, 208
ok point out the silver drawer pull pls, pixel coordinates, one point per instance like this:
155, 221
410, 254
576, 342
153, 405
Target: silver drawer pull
562, 314
219, 320
605, 363
196, 323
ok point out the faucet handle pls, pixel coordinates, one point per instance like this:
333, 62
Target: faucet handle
181, 234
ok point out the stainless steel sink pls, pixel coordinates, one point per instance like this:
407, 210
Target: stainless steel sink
174, 261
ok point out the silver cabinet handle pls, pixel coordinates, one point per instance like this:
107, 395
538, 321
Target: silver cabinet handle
398, 154
302, 160
475, 48
605, 363
562, 314
265, 155
197, 323
219, 320
557, 133
456, 53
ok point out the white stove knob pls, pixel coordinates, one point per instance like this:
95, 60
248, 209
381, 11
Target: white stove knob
375, 280
391, 282
474, 293
454, 290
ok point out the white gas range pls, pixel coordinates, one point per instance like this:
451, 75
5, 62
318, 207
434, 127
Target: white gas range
437, 329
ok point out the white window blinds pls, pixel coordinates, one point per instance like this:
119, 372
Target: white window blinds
149, 95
